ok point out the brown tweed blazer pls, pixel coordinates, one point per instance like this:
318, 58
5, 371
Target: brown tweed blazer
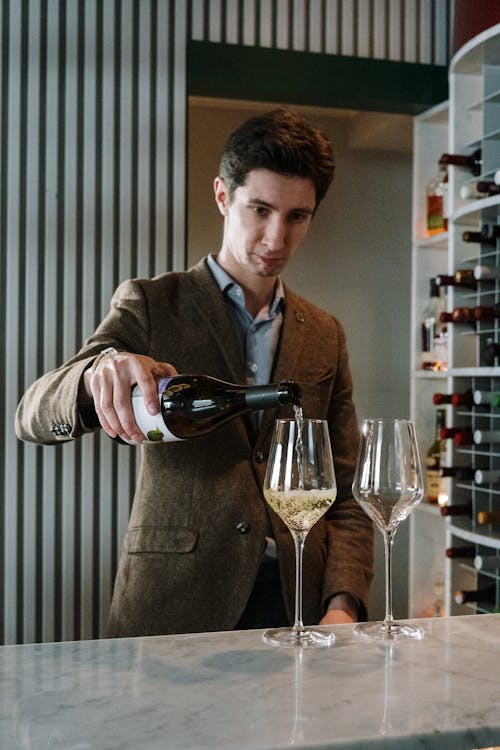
196, 533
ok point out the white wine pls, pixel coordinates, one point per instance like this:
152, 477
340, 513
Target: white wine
300, 509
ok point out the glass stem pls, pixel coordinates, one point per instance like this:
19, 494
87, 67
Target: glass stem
299, 538
388, 541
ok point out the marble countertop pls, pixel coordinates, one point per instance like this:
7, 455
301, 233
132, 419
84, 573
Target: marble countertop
231, 691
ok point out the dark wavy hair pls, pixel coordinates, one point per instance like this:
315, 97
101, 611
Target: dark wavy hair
283, 142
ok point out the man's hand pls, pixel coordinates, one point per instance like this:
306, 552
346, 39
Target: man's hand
342, 608
110, 385
336, 617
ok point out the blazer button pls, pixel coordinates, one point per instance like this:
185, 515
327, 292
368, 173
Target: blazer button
259, 456
243, 527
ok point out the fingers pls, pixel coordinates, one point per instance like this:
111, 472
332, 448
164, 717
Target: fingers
111, 386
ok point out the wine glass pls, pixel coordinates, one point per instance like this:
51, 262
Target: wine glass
300, 486
388, 484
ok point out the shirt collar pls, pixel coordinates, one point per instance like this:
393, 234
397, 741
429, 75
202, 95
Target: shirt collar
226, 283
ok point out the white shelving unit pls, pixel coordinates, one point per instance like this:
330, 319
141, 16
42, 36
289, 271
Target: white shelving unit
470, 120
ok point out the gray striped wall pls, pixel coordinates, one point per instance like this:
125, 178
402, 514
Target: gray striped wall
400, 30
92, 190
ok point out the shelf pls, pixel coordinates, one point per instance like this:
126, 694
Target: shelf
474, 538
471, 213
468, 121
436, 242
483, 49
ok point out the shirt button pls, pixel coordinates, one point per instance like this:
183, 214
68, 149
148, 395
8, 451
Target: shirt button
243, 527
259, 457
253, 367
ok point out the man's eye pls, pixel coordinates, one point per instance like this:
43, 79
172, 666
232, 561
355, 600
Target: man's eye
298, 218
260, 210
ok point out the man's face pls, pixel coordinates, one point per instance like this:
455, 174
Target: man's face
265, 220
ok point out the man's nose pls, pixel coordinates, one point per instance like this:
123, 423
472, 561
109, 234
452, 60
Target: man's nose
275, 234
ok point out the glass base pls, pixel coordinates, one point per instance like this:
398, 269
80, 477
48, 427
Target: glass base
382, 631
308, 637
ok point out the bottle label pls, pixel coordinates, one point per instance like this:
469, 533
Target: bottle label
435, 214
153, 426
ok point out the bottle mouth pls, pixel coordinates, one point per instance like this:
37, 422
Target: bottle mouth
293, 391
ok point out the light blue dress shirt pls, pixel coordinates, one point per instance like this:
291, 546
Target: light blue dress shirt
259, 335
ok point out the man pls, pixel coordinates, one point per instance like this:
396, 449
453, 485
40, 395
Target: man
203, 551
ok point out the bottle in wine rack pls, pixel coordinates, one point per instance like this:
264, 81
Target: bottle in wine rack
483, 476
459, 435
473, 162
482, 189
433, 332
488, 398
459, 509
484, 237
481, 437
466, 551
487, 313
455, 399
485, 273
437, 199
460, 473
434, 457
487, 562
484, 595
463, 315
486, 517
491, 353
463, 277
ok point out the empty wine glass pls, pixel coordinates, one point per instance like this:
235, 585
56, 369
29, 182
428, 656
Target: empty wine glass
388, 484
300, 486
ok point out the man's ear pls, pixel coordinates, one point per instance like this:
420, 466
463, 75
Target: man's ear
221, 194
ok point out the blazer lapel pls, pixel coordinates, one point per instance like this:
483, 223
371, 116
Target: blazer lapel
212, 307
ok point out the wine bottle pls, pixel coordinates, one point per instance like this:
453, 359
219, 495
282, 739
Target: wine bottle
482, 189
460, 509
459, 435
461, 473
485, 595
433, 333
480, 437
482, 476
483, 238
485, 517
487, 562
491, 353
455, 399
487, 312
434, 457
460, 552
486, 397
437, 193
473, 162
461, 277
485, 273
463, 315
192, 405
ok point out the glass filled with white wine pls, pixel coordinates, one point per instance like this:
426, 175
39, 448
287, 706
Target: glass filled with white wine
300, 486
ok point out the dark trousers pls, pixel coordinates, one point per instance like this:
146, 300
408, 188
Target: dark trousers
265, 608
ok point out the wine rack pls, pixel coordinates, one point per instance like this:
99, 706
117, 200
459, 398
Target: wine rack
469, 121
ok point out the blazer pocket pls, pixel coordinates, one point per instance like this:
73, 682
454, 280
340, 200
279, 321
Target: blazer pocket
160, 539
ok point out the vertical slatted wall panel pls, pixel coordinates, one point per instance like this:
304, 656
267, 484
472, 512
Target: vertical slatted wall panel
399, 30
92, 142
